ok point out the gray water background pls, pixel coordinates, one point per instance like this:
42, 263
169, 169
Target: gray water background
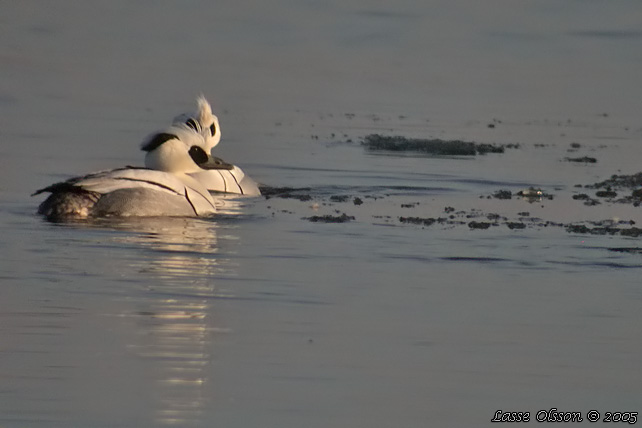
260, 318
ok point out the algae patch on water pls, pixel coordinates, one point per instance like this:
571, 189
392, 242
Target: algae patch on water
300, 193
343, 218
434, 146
625, 189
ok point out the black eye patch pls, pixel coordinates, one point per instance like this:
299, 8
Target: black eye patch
156, 140
198, 155
193, 124
213, 129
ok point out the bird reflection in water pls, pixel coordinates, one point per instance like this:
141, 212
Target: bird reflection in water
174, 316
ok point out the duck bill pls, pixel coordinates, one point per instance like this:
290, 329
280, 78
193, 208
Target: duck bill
215, 163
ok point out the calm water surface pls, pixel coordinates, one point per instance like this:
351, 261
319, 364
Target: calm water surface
258, 317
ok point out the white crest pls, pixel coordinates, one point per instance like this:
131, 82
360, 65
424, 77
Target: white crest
204, 110
202, 121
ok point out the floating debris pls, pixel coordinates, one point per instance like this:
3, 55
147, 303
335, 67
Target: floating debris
531, 193
343, 218
479, 224
420, 220
633, 232
588, 201
495, 217
621, 183
631, 250
503, 194
515, 225
584, 159
286, 193
431, 146
534, 195
606, 193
